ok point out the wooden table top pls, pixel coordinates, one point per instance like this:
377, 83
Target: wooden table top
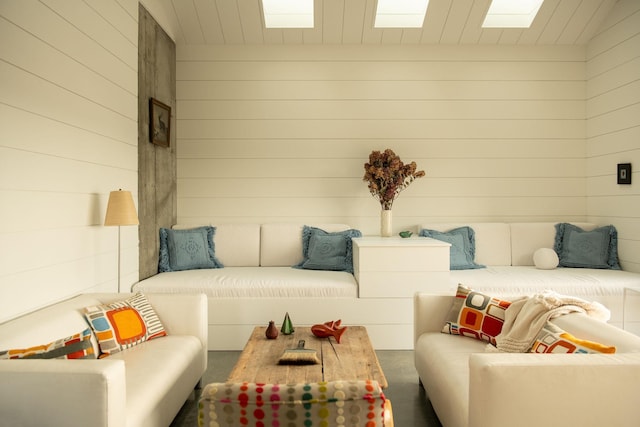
353, 359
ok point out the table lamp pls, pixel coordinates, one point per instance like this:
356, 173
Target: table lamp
120, 211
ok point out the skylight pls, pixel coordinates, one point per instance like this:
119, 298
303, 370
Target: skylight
511, 13
400, 13
288, 13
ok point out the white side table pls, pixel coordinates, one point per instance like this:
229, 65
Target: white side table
393, 267
631, 310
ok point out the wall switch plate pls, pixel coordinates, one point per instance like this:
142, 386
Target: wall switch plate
624, 173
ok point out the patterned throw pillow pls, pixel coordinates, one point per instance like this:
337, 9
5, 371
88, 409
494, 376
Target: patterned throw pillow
77, 346
476, 315
327, 251
124, 324
463, 246
187, 249
552, 339
579, 248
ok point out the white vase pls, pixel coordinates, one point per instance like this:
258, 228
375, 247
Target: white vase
385, 223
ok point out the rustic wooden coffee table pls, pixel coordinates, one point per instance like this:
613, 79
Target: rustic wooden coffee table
352, 359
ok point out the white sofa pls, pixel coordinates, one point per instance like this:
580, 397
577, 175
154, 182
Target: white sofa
145, 385
469, 387
258, 284
506, 249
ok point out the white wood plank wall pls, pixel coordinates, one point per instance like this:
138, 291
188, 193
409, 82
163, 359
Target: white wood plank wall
277, 133
613, 123
68, 114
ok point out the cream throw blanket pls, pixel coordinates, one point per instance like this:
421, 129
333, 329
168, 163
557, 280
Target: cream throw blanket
526, 316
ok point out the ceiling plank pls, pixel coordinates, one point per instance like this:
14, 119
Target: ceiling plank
230, 21
354, 13
595, 24
510, 36
558, 21
437, 14
189, 22
332, 21
209, 21
314, 35
533, 33
456, 21
411, 36
371, 35
251, 22
391, 35
473, 28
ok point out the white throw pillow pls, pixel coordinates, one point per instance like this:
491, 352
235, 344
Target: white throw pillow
545, 259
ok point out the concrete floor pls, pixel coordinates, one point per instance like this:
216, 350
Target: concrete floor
410, 405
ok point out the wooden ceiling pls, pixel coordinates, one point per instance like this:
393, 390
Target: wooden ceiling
232, 22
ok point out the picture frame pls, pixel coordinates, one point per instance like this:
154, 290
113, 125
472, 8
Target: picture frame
624, 173
159, 123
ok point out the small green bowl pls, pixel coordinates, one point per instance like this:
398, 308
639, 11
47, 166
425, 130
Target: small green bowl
405, 234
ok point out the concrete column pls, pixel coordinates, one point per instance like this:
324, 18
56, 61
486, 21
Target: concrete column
157, 173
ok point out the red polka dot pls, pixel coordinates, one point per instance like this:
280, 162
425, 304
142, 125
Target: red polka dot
244, 399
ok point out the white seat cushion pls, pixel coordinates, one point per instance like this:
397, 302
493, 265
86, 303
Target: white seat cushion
442, 362
254, 282
159, 373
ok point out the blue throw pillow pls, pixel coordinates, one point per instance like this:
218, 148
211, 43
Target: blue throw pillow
463, 246
597, 248
327, 251
187, 249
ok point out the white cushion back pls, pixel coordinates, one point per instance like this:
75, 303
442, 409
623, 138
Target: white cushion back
238, 245
528, 237
493, 242
48, 324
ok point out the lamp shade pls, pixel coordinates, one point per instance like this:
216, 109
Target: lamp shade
120, 209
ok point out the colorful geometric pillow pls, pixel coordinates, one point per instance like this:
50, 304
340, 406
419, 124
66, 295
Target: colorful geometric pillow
552, 339
124, 324
77, 346
476, 315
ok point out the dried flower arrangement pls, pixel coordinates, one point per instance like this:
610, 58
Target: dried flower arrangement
387, 176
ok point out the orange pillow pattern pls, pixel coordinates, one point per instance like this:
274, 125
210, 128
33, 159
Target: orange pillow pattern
476, 315
124, 324
552, 339
77, 346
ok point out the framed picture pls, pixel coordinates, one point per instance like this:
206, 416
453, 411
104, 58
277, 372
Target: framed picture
624, 173
159, 123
